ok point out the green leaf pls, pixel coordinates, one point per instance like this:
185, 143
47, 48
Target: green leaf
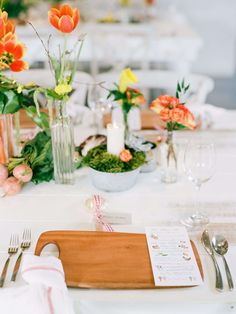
12, 104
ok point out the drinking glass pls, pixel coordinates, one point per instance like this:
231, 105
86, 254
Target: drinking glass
98, 104
199, 166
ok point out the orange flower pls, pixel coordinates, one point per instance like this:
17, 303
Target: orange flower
65, 19
187, 118
11, 53
6, 27
125, 155
131, 95
169, 109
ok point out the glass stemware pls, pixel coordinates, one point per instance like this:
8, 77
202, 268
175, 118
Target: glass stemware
99, 105
199, 166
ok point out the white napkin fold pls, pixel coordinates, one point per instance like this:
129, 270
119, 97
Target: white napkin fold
45, 291
213, 117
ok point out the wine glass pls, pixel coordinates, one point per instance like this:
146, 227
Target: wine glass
199, 166
98, 104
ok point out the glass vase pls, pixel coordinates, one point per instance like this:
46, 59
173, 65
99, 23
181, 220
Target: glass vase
169, 161
7, 146
63, 146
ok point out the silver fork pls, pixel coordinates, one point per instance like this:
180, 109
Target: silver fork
12, 249
25, 244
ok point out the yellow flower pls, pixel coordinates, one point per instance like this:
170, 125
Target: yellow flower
63, 89
20, 89
127, 77
124, 3
30, 84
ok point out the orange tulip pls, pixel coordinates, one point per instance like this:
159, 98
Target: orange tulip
65, 19
6, 27
11, 53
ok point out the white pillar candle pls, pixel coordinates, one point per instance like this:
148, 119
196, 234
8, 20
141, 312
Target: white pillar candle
115, 138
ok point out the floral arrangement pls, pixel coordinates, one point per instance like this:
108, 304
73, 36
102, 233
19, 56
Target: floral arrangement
65, 19
172, 111
36, 156
128, 97
99, 159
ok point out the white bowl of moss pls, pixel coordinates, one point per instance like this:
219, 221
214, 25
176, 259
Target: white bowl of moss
114, 182
109, 173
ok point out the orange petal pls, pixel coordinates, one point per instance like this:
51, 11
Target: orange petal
66, 24
10, 27
19, 51
4, 15
19, 65
76, 17
10, 46
9, 37
66, 9
1, 48
54, 20
2, 27
54, 11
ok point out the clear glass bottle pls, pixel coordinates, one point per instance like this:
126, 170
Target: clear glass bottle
63, 148
169, 160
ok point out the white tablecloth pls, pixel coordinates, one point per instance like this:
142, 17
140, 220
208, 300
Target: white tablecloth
51, 206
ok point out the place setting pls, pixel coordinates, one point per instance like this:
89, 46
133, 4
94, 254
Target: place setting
117, 161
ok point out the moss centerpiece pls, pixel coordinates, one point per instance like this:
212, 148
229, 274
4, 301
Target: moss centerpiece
113, 173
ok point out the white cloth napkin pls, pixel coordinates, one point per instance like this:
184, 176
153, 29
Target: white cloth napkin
215, 118
45, 291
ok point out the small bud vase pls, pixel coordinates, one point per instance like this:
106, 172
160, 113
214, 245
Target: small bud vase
63, 146
169, 161
7, 146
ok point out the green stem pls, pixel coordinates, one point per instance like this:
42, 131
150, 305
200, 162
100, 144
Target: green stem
125, 115
171, 149
63, 60
76, 62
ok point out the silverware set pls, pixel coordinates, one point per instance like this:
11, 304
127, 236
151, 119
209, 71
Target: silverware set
13, 248
218, 245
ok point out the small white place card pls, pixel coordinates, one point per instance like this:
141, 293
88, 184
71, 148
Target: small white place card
116, 218
172, 258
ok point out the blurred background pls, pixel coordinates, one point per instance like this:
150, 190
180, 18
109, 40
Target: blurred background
185, 36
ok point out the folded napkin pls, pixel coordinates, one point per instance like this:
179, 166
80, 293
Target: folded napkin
45, 291
212, 117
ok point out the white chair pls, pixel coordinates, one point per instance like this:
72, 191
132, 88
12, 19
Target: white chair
200, 85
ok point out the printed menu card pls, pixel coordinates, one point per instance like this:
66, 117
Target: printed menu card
172, 258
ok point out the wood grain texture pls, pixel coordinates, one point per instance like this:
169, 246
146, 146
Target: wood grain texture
103, 260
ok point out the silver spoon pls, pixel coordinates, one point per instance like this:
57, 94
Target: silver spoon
220, 245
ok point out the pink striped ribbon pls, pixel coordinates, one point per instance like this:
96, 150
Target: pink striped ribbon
97, 200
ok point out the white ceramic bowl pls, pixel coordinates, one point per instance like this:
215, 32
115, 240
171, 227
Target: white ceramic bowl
113, 182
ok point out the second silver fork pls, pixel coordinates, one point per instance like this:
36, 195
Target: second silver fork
25, 244
12, 249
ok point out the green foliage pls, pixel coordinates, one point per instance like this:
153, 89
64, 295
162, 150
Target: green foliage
36, 153
99, 159
181, 88
14, 96
126, 98
16, 7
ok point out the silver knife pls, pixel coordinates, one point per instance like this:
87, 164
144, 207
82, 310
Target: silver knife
208, 247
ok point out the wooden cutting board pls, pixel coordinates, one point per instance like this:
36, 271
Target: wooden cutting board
113, 260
